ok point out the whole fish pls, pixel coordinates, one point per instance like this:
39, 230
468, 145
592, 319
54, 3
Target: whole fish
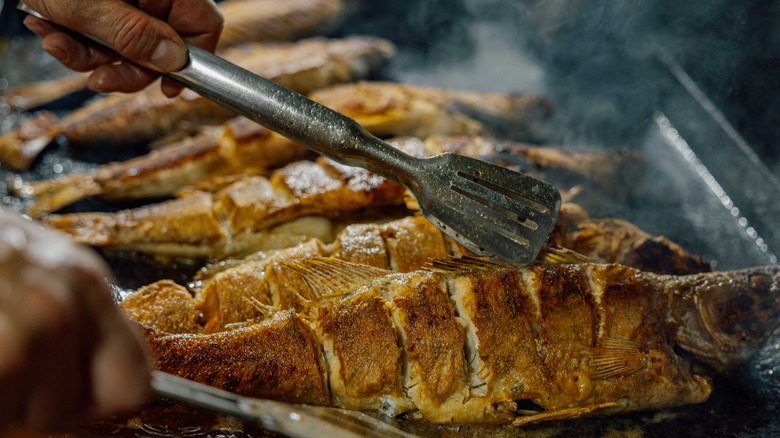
148, 114
228, 292
246, 21
246, 211
468, 341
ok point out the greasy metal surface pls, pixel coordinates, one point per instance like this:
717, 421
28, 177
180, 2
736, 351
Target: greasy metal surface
676, 199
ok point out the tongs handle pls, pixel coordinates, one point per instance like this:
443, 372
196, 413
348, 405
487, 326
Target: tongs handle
289, 113
285, 111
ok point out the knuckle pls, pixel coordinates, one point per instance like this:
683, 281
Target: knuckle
131, 38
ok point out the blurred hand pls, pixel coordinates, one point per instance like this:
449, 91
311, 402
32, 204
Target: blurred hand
66, 351
151, 33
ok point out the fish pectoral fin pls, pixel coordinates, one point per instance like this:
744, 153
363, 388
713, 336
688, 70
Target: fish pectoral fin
617, 357
329, 277
562, 414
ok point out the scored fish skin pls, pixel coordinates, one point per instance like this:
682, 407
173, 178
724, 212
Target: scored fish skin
245, 21
148, 114
473, 339
229, 293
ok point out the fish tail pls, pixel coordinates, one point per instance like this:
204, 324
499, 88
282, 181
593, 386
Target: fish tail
51, 195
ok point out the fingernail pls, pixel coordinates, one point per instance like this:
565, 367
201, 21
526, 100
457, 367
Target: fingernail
56, 52
168, 56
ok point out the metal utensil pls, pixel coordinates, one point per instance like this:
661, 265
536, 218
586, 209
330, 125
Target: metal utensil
294, 420
489, 209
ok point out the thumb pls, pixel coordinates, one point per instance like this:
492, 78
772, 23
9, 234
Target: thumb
131, 32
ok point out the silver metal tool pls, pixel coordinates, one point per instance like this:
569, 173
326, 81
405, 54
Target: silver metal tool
294, 420
491, 210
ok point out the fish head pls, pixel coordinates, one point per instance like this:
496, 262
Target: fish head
734, 313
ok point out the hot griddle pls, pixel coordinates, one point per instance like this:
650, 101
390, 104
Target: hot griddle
703, 187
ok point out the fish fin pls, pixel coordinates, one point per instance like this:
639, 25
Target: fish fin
329, 277
463, 263
617, 357
562, 414
560, 256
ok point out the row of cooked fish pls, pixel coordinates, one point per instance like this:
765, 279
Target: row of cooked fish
302, 200
456, 340
240, 146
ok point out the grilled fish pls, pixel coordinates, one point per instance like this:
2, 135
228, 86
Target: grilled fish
239, 217
246, 21
140, 117
391, 109
229, 292
269, 20
241, 146
468, 341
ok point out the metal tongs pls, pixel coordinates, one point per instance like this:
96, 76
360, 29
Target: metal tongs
294, 420
491, 210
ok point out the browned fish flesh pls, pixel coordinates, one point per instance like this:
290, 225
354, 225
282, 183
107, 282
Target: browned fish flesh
246, 21
468, 341
141, 117
237, 147
615, 240
271, 20
243, 146
391, 109
402, 245
29, 96
247, 210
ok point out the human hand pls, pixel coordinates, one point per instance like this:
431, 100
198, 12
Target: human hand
150, 33
66, 351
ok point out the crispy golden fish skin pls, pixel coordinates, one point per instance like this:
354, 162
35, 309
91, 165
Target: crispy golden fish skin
250, 207
237, 147
615, 240
270, 20
401, 111
29, 96
446, 111
141, 117
246, 21
230, 291
469, 341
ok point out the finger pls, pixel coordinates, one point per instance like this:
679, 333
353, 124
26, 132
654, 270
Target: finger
124, 77
200, 22
41, 27
134, 34
171, 89
59, 385
120, 371
12, 369
75, 53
